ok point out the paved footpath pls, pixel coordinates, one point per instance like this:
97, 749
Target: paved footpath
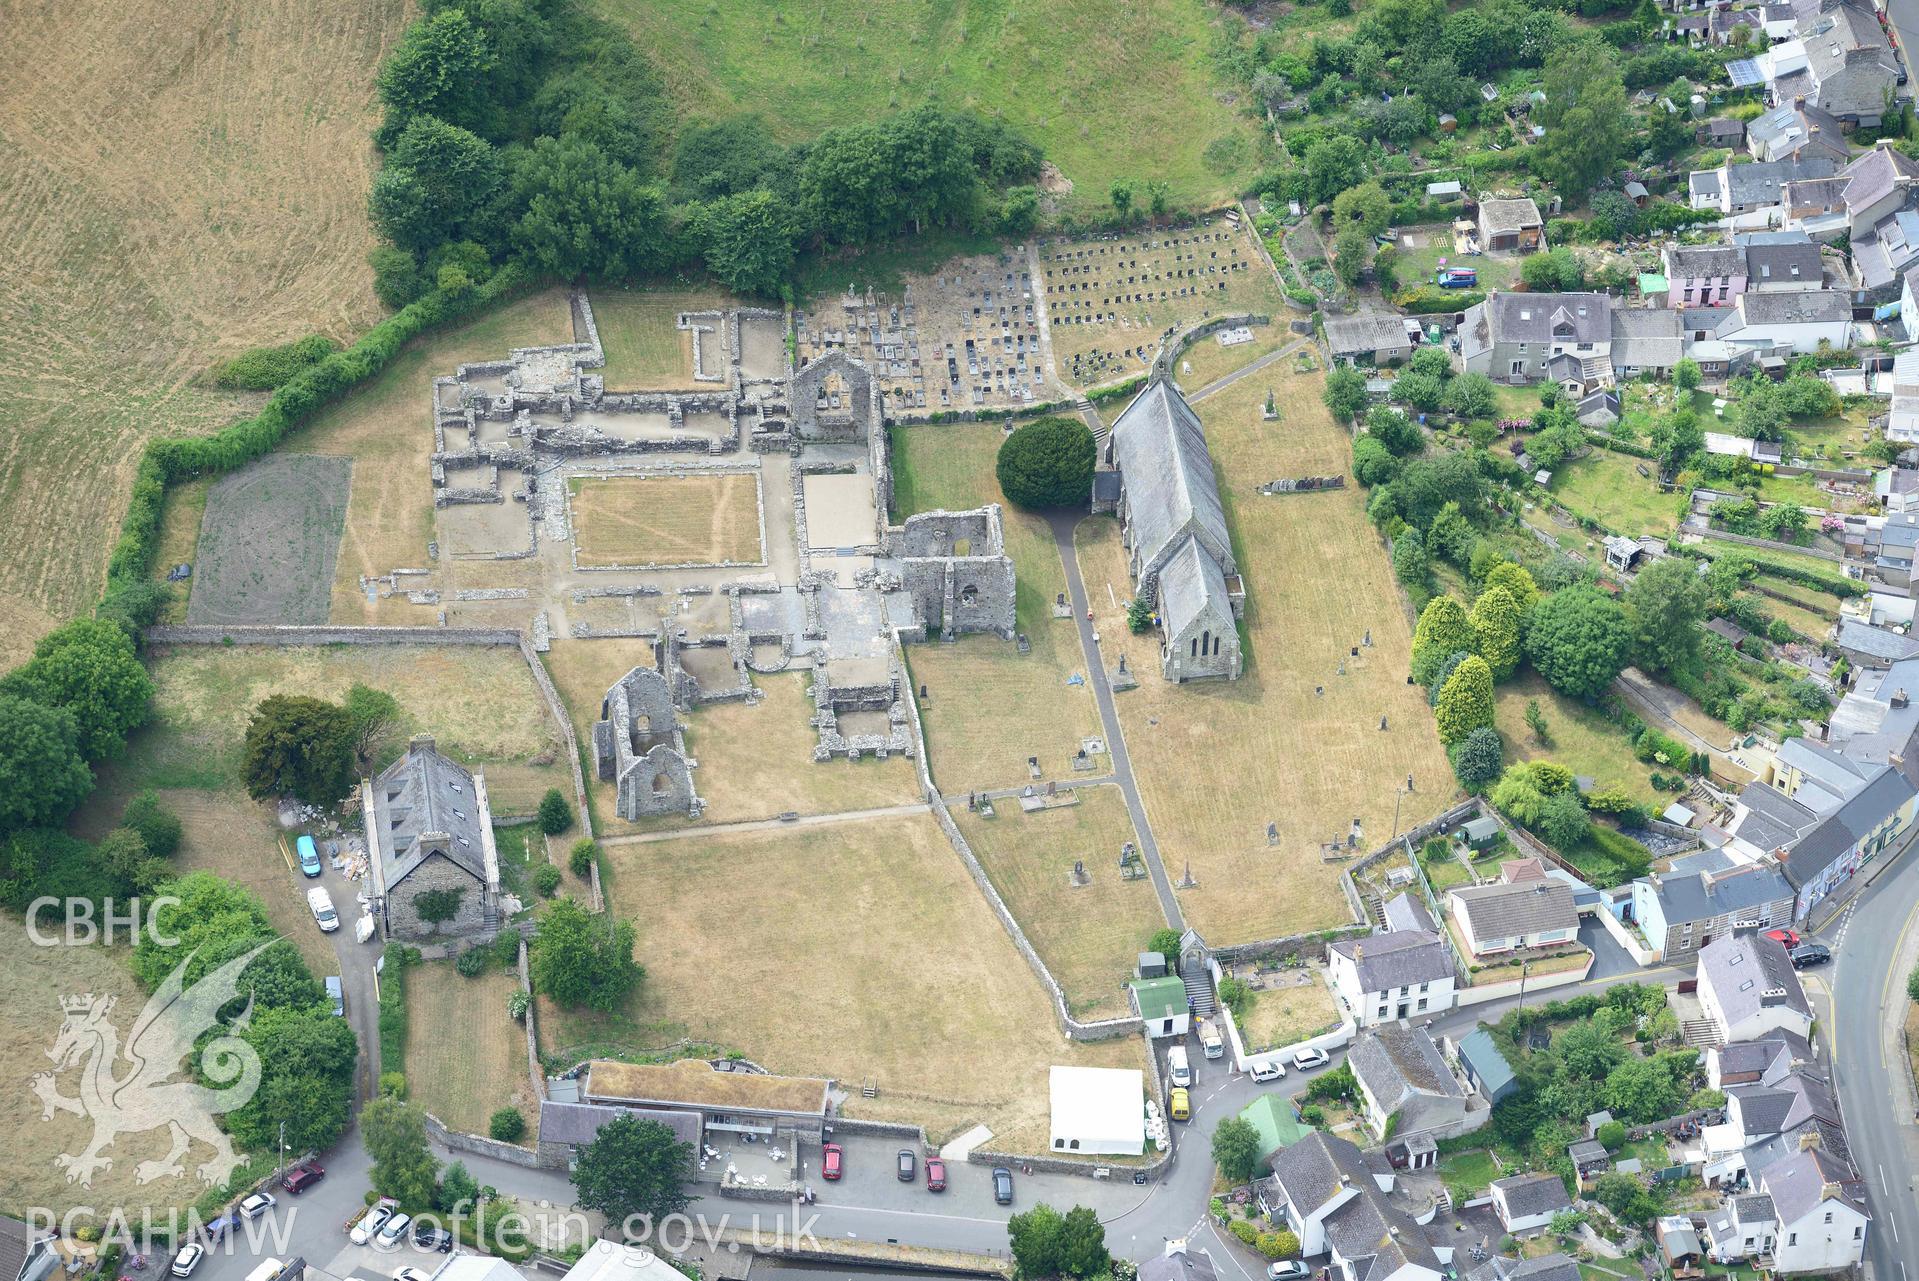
1063, 525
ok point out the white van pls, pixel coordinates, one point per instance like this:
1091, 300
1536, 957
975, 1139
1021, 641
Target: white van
321, 904
267, 1271
1178, 1068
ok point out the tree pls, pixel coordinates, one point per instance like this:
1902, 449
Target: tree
1047, 463
374, 714
1611, 1135
1516, 582
506, 1125
1477, 758
546, 880
1352, 251
1121, 194
42, 776
157, 825
1678, 438
1443, 629
1139, 615
1443, 673
439, 68
1236, 1149
1423, 392
394, 1133
1554, 271
1366, 206
632, 1168
1373, 463
1666, 602
1046, 1243
440, 183
1345, 392
1562, 820
1333, 164
1453, 538
1585, 115
459, 1191
1578, 639
88, 667
1465, 701
1166, 943
123, 854
1411, 565
307, 1063
1496, 623
1536, 722
299, 745
1083, 1251
1625, 1197
1018, 210
1642, 1090
1427, 484
582, 856
1469, 396
1613, 215
1395, 431
1589, 1049
582, 960
749, 241
584, 213
437, 907
555, 814
1686, 374
1784, 521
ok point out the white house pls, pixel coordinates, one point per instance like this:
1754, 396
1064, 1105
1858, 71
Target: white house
1747, 987
1327, 1195
1099, 1110
1396, 975
1526, 1203
1498, 918
614, 1261
1820, 1207
1742, 1228
1796, 322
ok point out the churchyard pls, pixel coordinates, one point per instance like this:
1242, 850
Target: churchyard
874, 929
133, 272
1294, 743
1088, 928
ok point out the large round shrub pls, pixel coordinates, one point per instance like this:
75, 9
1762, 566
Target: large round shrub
1047, 463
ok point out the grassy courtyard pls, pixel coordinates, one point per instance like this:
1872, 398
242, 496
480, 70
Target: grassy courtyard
645, 348
1281, 1016
667, 520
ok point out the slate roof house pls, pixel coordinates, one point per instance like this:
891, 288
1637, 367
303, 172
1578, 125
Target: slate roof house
1526, 1203
1327, 1194
1735, 190
1385, 977
1178, 1262
1678, 914
1880, 197
1747, 987
1494, 919
1715, 275
1764, 1061
1741, 1228
1174, 528
1819, 1207
26, 1252
1547, 1267
1840, 63
429, 830
1513, 338
1795, 130
1798, 323
1401, 1074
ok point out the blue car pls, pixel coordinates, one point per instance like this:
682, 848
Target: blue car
309, 856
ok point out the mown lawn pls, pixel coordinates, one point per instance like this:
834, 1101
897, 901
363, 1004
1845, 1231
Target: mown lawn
1577, 736
1607, 487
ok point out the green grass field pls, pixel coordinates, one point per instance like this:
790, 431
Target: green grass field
1577, 737
1608, 488
1109, 91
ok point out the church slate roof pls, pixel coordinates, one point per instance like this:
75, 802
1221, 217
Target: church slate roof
1167, 472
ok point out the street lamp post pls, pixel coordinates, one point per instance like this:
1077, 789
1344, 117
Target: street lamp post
283, 1149
1524, 968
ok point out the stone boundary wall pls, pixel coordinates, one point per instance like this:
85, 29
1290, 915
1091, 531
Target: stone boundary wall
458, 1141
1767, 544
331, 635
1170, 350
535, 1077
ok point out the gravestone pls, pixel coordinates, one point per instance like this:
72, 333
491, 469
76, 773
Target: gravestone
1368, 642
1079, 872
1032, 766
1272, 833
1382, 722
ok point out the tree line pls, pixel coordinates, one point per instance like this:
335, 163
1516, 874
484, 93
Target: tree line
536, 131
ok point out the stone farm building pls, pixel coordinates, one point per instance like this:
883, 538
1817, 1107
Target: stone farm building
1174, 527
429, 829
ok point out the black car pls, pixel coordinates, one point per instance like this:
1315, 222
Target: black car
1808, 954
431, 1238
1002, 1185
908, 1165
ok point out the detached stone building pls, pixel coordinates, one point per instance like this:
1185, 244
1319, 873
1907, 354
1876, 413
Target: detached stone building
639, 745
955, 567
1174, 528
429, 830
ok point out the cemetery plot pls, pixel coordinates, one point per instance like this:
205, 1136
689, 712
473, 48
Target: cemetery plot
268, 542
966, 337
1297, 742
909, 979
666, 520
1110, 300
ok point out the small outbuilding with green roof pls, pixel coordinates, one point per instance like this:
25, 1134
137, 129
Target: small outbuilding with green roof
1161, 1005
1279, 1128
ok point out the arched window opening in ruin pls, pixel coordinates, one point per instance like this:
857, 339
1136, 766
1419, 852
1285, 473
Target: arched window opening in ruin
969, 596
661, 784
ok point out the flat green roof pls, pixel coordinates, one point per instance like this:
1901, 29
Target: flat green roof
1651, 282
1159, 998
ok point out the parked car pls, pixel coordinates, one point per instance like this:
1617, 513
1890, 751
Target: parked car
187, 1259
372, 1221
320, 903
1808, 954
303, 1176
1266, 1071
832, 1162
1307, 1060
428, 1237
394, 1232
1287, 1270
309, 856
1790, 937
1181, 1104
336, 994
410, 1273
909, 1165
1002, 1185
256, 1205
935, 1174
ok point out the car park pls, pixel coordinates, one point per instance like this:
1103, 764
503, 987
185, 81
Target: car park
1002, 1185
187, 1259
935, 1174
372, 1221
1307, 1060
908, 1165
1266, 1071
428, 1237
1809, 954
832, 1162
394, 1232
256, 1205
302, 1176
309, 856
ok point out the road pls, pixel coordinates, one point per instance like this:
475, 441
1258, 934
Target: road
1063, 524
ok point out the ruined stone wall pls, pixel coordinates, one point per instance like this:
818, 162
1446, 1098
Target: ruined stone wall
660, 782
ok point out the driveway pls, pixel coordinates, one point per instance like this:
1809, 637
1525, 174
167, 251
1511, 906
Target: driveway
354, 964
1609, 959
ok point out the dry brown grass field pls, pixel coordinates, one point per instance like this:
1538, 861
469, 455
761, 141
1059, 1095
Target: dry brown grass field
989, 707
667, 520
465, 1057
1208, 360
37, 977
1217, 761
866, 951
1088, 935
1282, 1015
645, 348
193, 185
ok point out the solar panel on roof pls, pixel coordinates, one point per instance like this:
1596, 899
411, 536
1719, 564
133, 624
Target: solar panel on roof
1745, 73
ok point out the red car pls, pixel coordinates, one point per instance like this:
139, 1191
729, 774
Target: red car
1788, 937
935, 1174
832, 1162
303, 1176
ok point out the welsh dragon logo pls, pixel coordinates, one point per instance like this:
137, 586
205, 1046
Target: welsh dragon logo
146, 1097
